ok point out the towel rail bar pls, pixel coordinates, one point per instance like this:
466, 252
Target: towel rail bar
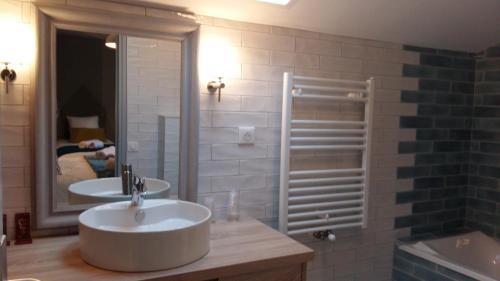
324, 196
328, 131
308, 206
325, 97
327, 171
326, 227
315, 189
325, 180
329, 80
327, 122
324, 199
327, 147
331, 89
325, 212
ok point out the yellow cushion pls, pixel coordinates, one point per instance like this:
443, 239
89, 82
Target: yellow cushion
80, 134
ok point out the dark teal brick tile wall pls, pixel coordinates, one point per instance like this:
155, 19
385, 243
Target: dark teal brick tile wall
456, 174
483, 193
443, 123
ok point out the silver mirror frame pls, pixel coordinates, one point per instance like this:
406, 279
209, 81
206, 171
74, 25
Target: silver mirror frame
155, 23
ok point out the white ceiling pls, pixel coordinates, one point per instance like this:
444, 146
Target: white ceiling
469, 25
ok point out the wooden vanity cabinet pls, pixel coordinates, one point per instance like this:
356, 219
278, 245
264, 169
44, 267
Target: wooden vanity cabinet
246, 250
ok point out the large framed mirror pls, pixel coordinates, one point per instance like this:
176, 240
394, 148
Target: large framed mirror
108, 96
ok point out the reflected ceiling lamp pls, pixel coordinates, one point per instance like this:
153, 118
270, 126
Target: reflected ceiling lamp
111, 41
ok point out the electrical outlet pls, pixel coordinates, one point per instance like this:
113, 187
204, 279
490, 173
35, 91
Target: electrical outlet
133, 146
246, 135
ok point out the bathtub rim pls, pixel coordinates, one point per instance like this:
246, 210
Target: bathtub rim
438, 259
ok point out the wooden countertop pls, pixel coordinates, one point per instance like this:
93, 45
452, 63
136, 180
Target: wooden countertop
236, 248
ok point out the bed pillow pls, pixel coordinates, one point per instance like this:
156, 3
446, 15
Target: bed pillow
91, 122
77, 135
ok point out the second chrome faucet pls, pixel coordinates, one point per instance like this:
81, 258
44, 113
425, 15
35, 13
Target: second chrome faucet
138, 191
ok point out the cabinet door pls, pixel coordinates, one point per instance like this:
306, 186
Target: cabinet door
293, 273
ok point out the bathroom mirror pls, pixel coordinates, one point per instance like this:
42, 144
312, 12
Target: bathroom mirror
89, 112
106, 95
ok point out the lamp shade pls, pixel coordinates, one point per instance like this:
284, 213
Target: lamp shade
17, 43
218, 58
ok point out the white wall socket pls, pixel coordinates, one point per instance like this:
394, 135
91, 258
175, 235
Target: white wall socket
246, 135
133, 146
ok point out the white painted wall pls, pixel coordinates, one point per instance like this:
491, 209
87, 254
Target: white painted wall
445, 24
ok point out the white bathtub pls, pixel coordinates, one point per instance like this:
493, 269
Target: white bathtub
474, 254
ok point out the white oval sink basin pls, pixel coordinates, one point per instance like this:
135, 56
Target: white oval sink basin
105, 190
171, 233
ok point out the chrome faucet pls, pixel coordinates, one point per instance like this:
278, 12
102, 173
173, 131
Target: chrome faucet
127, 180
138, 191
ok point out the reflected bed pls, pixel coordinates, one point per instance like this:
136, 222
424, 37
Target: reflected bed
76, 164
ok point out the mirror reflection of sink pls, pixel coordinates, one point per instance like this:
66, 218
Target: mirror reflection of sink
105, 190
161, 234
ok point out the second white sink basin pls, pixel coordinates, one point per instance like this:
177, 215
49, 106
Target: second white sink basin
105, 190
161, 234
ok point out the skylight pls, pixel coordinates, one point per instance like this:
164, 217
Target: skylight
276, 2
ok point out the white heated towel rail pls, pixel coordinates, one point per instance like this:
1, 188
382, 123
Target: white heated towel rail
324, 199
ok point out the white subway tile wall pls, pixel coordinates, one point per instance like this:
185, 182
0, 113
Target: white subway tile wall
153, 90
15, 127
254, 99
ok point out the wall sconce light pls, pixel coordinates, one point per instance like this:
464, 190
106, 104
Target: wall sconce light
214, 86
16, 51
7, 75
